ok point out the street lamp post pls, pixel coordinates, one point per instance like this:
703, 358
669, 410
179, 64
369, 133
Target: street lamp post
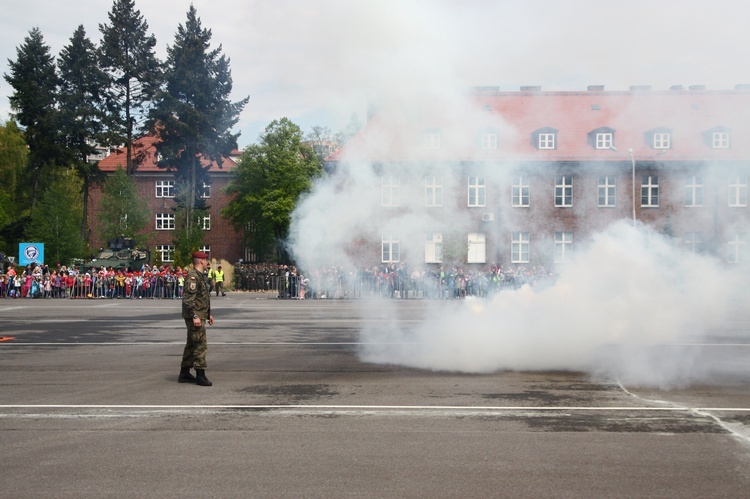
632, 161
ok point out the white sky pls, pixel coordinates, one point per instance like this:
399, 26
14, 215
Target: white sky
317, 61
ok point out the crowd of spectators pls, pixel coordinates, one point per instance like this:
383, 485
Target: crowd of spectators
388, 280
394, 280
41, 281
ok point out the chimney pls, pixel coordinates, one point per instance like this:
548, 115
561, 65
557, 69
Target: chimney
531, 88
697, 87
595, 88
640, 88
677, 87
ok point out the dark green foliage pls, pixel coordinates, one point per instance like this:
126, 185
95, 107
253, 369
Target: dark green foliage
126, 55
270, 178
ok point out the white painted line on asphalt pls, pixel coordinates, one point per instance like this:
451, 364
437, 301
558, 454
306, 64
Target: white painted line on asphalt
212, 343
738, 431
377, 407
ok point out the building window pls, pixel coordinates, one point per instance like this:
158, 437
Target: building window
720, 140
662, 140
564, 192
477, 191
650, 191
738, 191
165, 221
694, 192
546, 141
433, 191
477, 248
605, 140
433, 248
390, 248
205, 249
166, 252
544, 138
693, 241
431, 139
205, 191
489, 140
737, 247
165, 188
563, 245
206, 222
390, 190
519, 249
607, 190
520, 192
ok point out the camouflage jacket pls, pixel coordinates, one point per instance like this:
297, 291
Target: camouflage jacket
195, 297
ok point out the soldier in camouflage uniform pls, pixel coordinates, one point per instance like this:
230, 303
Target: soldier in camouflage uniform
196, 310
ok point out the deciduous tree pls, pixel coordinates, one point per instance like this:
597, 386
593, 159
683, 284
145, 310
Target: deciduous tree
270, 178
123, 212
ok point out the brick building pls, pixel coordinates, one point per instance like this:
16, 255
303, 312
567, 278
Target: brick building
156, 187
523, 177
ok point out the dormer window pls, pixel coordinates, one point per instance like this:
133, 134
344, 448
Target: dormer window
488, 140
719, 137
602, 138
544, 138
431, 139
720, 140
659, 138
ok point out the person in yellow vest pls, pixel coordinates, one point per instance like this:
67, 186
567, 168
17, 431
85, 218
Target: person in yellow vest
219, 281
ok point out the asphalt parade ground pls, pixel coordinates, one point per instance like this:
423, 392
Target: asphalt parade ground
90, 407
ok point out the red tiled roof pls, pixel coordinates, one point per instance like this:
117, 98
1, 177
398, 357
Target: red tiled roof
396, 133
146, 146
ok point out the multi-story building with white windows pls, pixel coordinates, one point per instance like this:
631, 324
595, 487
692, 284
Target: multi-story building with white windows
156, 187
524, 177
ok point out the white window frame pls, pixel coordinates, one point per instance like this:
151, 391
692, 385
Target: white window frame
520, 247
737, 248
650, 191
390, 249
489, 140
738, 191
206, 222
433, 248
206, 191
694, 192
605, 140
477, 192
391, 190
433, 191
476, 247
164, 188
166, 251
165, 221
662, 140
206, 249
546, 141
520, 191
693, 242
431, 139
720, 140
563, 191
563, 246
607, 191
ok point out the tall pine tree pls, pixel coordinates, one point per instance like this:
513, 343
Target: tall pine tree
126, 54
193, 115
34, 100
81, 83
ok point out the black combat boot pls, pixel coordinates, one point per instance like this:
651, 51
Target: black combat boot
201, 378
185, 376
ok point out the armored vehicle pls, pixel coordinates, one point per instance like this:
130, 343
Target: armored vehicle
121, 254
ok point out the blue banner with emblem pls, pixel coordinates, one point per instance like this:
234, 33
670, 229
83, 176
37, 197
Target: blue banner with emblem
30, 253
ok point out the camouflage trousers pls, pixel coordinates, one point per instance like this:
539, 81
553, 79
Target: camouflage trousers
194, 354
